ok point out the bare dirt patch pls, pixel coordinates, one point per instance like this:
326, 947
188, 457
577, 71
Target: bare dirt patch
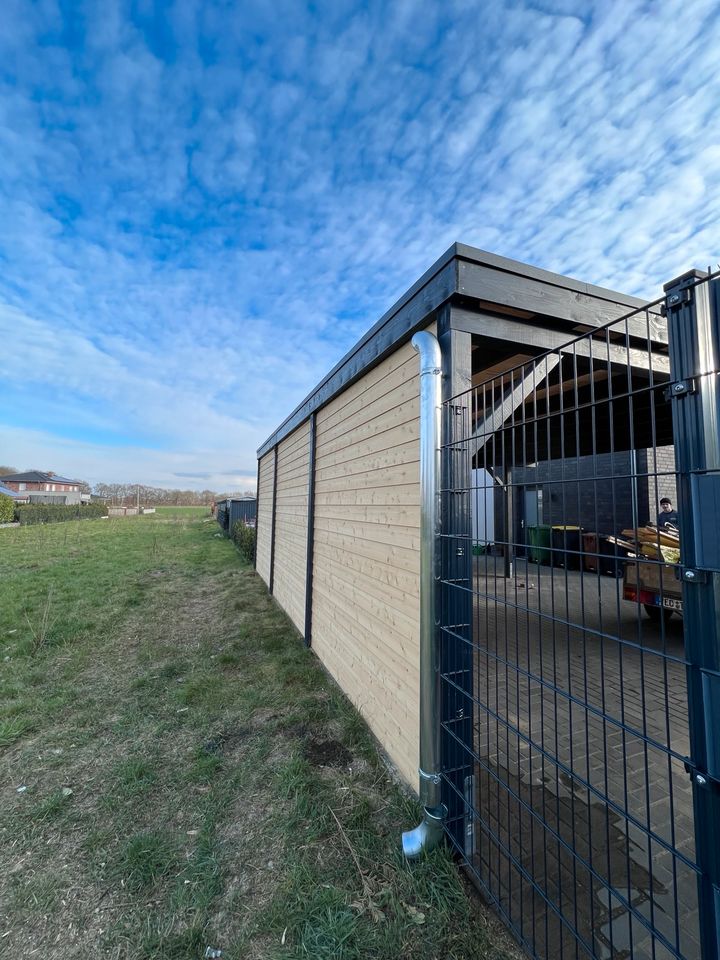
326, 753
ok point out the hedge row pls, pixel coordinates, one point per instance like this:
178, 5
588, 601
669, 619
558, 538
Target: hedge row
7, 509
244, 538
55, 513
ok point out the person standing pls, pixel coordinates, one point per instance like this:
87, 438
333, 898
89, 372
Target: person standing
667, 515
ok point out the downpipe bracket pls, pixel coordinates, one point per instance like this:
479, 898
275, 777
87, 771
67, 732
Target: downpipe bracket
433, 778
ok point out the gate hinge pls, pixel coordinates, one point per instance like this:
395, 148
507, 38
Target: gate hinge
680, 389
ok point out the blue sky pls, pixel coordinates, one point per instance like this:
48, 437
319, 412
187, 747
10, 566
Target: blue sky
203, 204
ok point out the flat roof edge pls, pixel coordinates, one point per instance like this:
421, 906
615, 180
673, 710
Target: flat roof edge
449, 259
517, 267
430, 274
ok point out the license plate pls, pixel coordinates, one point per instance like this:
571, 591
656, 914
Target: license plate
670, 604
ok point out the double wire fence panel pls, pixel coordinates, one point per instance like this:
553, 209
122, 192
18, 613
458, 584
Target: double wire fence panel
566, 720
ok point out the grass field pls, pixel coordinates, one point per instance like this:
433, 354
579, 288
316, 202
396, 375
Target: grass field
178, 772
187, 512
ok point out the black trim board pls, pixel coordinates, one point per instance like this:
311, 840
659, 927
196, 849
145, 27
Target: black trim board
310, 556
411, 313
271, 578
471, 273
257, 516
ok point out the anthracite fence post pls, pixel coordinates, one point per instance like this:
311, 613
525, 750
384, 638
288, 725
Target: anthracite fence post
455, 600
692, 305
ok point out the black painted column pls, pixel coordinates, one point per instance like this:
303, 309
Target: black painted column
456, 653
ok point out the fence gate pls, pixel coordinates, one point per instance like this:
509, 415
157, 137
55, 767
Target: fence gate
580, 659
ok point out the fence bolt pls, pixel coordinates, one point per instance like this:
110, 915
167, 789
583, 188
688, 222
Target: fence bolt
681, 388
700, 780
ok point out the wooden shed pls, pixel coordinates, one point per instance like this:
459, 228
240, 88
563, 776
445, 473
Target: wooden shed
338, 481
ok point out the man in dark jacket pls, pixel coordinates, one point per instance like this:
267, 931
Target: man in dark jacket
667, 514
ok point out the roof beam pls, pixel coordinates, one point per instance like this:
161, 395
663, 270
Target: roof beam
532, 335
505, 408
565, 302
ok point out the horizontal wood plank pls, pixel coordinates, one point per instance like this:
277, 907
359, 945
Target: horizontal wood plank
263, 524
385, 440
403, 454
366, 559
291, 524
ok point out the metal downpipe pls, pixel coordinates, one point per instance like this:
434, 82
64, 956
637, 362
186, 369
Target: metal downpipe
429, 831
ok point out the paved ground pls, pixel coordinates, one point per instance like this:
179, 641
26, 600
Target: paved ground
581, 725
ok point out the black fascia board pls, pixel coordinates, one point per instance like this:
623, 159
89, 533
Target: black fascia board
411, 312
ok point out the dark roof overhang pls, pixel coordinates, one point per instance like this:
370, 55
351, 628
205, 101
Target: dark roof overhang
472, 277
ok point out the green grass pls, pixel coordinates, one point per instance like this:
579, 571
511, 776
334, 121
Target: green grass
146, 857
134, 776
161, 713
186, 512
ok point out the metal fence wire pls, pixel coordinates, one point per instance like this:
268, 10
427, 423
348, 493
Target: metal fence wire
579, 635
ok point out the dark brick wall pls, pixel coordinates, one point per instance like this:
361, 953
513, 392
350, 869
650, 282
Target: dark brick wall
591, 492
660, 470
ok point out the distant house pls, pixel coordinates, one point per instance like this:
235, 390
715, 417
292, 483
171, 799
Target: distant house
13, 494
39, 487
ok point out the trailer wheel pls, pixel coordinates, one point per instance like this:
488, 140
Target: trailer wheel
658, 614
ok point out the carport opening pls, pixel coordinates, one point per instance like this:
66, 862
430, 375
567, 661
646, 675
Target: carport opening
580, 700
583, 439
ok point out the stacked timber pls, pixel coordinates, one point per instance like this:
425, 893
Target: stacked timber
652, 542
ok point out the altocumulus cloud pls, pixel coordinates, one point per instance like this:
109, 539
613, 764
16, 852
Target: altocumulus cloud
202, 206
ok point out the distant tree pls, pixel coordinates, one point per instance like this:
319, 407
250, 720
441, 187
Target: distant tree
6, 471
125, 494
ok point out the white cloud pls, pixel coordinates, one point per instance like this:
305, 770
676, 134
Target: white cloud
96, 463
196, 223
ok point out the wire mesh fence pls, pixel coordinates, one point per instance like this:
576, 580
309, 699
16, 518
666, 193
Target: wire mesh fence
565, 669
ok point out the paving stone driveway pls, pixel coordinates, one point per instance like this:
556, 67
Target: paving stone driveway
580, 730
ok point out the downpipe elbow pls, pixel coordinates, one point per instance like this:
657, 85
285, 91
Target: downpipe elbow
426, 836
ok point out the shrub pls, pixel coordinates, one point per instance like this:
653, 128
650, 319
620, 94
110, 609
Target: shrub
7, 509
244, 538
30, 513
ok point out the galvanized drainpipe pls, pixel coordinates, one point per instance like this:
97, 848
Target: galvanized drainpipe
429, 831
